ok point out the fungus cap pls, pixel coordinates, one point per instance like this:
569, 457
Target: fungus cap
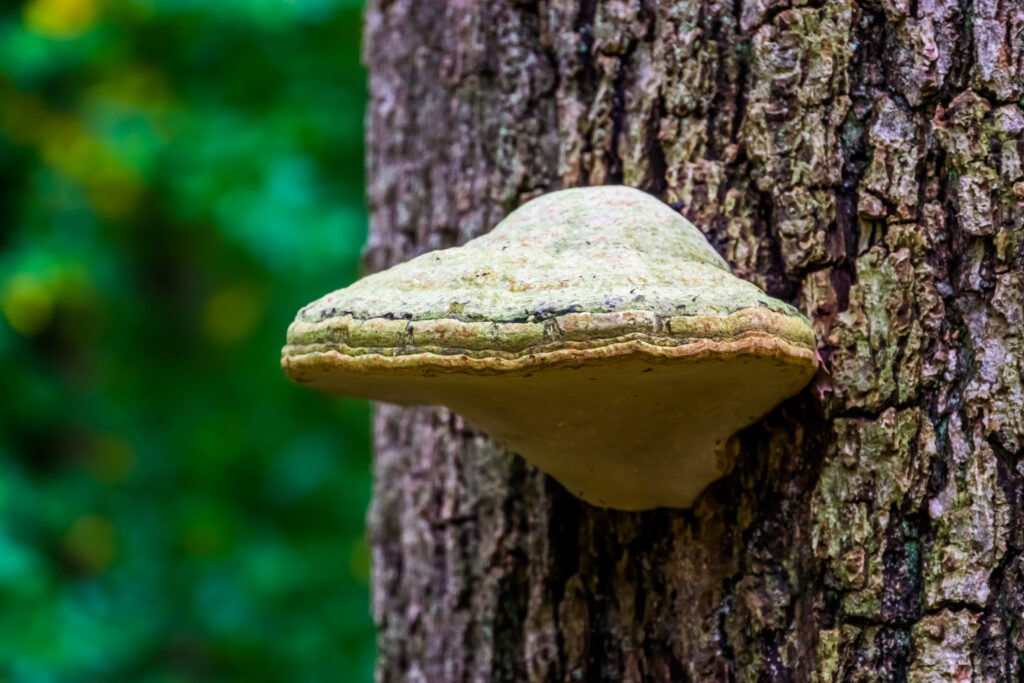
594, 331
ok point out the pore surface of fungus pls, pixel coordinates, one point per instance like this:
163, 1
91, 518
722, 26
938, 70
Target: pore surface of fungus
594, 331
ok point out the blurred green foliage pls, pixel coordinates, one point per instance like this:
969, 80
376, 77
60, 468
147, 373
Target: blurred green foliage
178, 178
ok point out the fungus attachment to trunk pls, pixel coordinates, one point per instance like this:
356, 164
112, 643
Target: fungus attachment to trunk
594, 331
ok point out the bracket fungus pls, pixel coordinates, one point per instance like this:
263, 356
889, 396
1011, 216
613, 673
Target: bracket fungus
594, 331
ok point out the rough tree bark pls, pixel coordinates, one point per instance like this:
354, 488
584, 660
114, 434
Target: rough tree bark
862, 161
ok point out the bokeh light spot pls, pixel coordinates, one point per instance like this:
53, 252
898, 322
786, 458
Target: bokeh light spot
232, 314
22, 116
111, 459
27, 303
91, 543
359, 561
115, 192
62, 18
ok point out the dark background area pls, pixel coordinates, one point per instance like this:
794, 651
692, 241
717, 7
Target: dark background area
178, 177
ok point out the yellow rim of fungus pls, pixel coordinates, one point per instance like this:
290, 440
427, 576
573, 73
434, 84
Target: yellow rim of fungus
655, 338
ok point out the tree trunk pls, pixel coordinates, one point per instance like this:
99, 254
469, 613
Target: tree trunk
862, 161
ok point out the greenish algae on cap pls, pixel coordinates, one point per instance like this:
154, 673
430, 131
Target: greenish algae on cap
594, 331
